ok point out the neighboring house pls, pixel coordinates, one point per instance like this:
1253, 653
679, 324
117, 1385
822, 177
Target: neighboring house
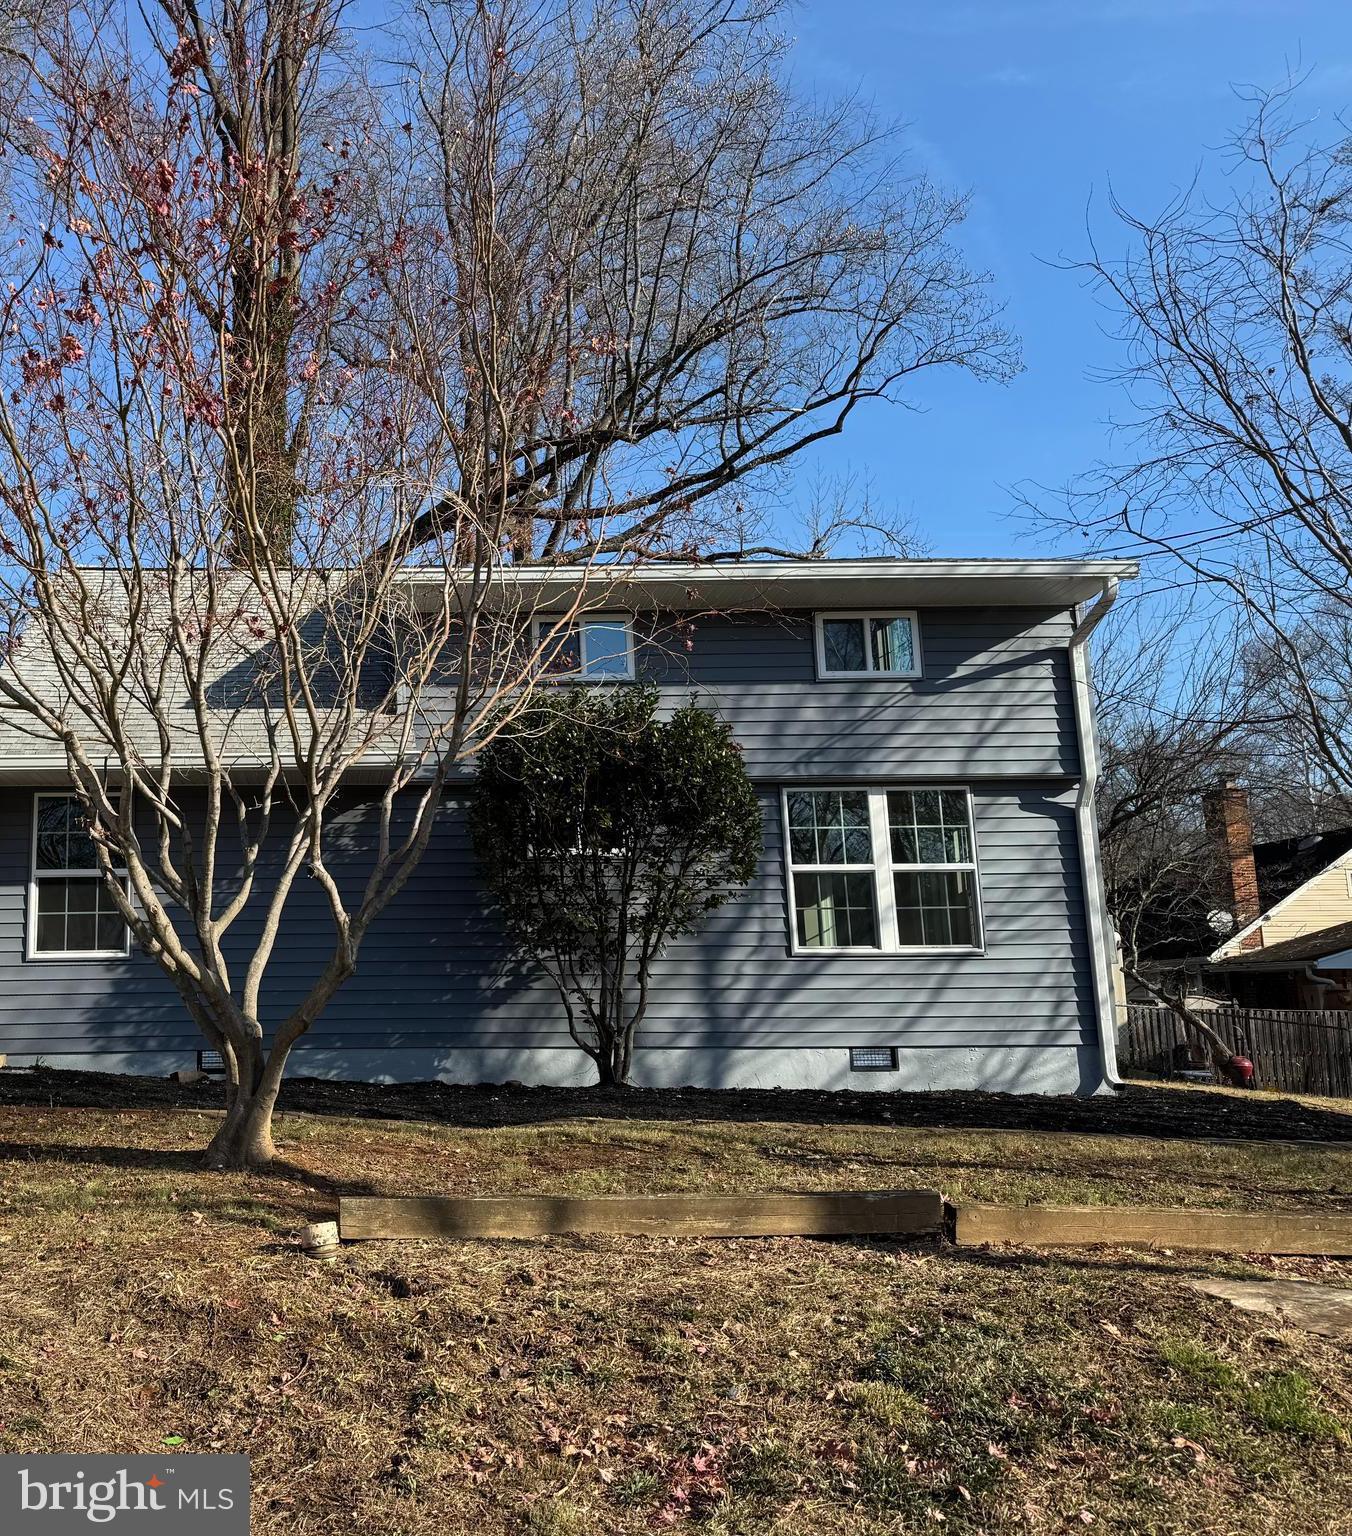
1292, 902
928, 912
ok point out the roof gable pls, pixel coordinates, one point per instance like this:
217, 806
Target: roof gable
1299, 910
1300, 951
1285, 864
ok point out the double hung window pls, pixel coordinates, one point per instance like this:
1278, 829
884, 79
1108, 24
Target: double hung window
888, 870
72, 913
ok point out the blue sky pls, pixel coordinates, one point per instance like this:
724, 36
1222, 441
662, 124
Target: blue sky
1037, 107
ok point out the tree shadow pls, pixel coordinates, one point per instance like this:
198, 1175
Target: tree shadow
1134, 1111
1098, 1260
146, 1159
175, 1160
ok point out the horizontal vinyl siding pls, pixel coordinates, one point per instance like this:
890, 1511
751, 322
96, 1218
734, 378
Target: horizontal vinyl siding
1323, 902
994, 699
434, 973
54, 1006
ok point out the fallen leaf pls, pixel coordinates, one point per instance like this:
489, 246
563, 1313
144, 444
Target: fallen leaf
1179, 1442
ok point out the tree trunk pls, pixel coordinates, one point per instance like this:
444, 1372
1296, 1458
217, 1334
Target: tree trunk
612, 1063
1217, 1048
243, 1142
609, 1072
1220, 1053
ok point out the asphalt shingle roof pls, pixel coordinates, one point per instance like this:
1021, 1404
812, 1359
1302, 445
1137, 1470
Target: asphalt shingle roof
1301, 950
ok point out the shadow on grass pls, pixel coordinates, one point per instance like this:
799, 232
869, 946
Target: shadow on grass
173, 1160
1119, 1169
1134, 1110
1100, 1261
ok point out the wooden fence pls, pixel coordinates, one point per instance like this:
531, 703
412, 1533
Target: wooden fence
1292, 1049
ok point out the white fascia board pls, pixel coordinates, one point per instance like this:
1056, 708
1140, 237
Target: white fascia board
812, 583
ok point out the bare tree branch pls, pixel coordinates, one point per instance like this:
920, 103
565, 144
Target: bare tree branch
1236, 323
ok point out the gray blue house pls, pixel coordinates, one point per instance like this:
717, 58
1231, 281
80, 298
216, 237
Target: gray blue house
928, 912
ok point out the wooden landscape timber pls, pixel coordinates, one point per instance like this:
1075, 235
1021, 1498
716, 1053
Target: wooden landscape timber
913, 1212
1325, 1233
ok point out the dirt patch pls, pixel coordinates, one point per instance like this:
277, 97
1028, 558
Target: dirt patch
1134, 1110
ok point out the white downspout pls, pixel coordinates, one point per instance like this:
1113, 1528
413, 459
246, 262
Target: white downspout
1316, 980
1102, 943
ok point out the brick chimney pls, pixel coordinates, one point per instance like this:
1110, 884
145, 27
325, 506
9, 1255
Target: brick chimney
1226, 811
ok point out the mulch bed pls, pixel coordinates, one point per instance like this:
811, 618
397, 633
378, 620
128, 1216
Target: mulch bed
1135, 1110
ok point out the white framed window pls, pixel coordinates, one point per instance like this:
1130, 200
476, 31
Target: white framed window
870, 643
887, 871
71, 913
594, 648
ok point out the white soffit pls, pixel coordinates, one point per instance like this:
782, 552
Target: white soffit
803, 584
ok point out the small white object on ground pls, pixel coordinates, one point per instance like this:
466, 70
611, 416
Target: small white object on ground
319, 1239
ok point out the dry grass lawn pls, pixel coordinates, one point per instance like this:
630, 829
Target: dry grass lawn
594, 1387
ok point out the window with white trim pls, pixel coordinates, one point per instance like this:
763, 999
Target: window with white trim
596, 648
888, 870
867, 644
71, 911
933, 868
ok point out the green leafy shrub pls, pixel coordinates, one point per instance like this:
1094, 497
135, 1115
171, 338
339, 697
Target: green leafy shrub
603, 833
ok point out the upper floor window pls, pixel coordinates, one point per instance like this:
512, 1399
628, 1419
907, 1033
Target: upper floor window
888, 870
873, 644
71, 911
596, 648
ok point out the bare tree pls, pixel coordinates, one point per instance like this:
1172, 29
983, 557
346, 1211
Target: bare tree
213, 630
689, 275
1174, 720
1299, 684
1236, 319
279, 426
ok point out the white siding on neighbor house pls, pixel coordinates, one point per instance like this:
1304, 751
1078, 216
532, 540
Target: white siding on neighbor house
1324, 901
